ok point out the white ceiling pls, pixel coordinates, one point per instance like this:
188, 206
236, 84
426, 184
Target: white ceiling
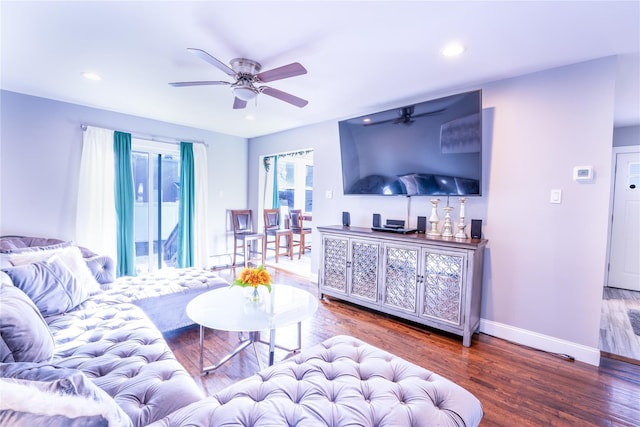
361, 56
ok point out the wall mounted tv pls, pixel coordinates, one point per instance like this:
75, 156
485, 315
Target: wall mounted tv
426, 149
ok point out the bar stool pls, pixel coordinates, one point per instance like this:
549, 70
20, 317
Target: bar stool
297, 228
243, 235
272, 229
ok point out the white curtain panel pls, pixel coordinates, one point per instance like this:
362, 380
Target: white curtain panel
201, 234
96, 213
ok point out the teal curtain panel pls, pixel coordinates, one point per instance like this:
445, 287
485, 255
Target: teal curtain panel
186, 216
124, 198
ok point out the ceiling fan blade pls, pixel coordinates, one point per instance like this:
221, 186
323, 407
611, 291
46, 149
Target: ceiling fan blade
284, 96
239, 104
378, 123
291, 70
213, 61
201, 83
406, 117
430, 113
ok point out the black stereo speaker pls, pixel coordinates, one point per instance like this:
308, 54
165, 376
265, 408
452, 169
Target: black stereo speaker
422, 224
346, 219
377, 221
476, 229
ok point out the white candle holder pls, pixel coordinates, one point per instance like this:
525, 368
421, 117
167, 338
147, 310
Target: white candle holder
433, 219
461, 234
446, 229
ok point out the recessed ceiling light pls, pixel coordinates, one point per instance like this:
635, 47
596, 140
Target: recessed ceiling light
366, 120
452, 49
249, 117
91, 76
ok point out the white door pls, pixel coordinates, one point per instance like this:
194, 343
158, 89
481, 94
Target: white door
624, 255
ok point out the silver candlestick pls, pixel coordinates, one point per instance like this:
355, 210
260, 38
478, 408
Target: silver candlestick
461, 234
433, 219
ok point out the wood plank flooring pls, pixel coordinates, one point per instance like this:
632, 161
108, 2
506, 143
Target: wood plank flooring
617, 337
517, 386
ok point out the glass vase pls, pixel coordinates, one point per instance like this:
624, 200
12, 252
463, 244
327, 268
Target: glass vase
253, 294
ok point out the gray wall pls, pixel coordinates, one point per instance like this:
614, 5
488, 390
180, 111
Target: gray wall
545, 263
41, 143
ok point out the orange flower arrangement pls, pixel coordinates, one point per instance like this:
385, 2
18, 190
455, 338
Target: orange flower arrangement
253, 277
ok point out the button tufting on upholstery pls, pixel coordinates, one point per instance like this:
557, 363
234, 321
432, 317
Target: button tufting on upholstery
308, 391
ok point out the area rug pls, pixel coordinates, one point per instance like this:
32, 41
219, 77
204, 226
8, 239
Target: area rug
634, 318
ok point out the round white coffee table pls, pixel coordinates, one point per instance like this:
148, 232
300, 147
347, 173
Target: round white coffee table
227, 309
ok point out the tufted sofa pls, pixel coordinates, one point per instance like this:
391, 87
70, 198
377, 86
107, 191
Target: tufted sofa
105, 363
153, 292
57, 318
341, 382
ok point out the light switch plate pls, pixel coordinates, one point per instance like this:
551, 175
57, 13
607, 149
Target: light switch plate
556, 196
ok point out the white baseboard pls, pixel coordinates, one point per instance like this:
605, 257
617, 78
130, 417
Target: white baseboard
542, 342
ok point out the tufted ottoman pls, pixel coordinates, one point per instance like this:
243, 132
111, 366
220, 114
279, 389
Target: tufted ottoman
340, 382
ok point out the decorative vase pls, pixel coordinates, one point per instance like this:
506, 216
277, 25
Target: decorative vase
253, 294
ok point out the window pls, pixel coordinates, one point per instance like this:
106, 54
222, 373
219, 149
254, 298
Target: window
295, 181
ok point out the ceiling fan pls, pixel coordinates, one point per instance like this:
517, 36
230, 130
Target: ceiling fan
247, 75
406, 116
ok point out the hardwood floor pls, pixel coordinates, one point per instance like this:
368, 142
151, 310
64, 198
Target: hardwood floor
617, 337
517, 386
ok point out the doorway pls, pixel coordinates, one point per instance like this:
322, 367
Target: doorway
156, 172
288, 185
620, 322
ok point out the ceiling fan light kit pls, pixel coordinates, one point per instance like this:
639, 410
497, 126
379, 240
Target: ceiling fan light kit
247, 74
244, 92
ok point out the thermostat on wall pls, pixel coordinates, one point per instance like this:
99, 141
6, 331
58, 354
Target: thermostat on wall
583, 173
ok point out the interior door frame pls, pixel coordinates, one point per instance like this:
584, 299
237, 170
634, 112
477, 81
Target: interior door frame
615, 151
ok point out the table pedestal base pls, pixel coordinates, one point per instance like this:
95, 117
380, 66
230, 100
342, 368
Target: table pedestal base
254, 337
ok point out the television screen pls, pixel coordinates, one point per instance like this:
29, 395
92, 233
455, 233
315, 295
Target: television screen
424, 149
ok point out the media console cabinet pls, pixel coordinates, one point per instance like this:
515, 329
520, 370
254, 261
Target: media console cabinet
429, 280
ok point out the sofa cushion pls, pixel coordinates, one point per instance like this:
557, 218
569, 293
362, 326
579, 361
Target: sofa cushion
50, 285
47, 395
25, 335
122, 352
72, 258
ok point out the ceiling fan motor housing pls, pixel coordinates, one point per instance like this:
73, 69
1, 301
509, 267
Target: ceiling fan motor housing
245, 66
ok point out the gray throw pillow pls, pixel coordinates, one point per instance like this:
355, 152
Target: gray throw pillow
50, 284
71, 256
25, 336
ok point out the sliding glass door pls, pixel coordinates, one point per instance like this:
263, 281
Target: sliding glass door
156, 174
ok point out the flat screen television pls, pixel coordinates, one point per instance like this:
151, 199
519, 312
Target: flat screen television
425, 149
